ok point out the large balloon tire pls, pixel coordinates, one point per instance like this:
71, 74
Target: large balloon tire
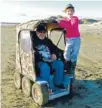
40, 93
17, 80
26, 86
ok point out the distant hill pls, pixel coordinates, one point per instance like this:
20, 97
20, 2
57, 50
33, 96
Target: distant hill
99, 23
82, 21
88, 21
9, 23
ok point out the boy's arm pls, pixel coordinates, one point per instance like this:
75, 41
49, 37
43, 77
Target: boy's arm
63, 23
75, 21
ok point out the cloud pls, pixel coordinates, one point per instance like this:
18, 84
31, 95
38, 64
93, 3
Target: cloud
25, 11
18, 13
22, 14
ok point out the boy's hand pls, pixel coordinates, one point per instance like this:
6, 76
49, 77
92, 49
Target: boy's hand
58, 20
53, 57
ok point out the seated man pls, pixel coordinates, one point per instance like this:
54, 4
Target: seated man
46, 54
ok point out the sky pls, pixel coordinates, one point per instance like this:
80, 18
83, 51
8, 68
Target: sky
22, 11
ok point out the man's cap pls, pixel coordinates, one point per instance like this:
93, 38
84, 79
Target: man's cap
41, 28
69, 6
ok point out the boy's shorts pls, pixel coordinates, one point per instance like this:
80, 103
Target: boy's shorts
72, 49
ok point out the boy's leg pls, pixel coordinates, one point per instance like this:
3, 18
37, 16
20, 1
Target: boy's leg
44, 71
74, 55
58, 66
75, 49
75, 52
68, 53
68, 49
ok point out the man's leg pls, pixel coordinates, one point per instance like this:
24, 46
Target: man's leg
58, 66
44, 71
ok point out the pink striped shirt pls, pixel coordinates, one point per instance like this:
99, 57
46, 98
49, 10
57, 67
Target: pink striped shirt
71, 26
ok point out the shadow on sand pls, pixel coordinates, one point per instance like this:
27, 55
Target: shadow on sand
81, 90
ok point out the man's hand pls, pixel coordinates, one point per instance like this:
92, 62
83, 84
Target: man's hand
53, 57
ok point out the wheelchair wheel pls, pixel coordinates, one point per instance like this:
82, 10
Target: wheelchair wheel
17, 80
26, 86
40, 93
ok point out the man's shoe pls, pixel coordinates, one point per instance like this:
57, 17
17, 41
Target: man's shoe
61, 86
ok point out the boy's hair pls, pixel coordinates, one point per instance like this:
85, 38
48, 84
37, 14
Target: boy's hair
69, 6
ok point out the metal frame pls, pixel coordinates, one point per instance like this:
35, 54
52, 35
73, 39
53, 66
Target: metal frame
63, 32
